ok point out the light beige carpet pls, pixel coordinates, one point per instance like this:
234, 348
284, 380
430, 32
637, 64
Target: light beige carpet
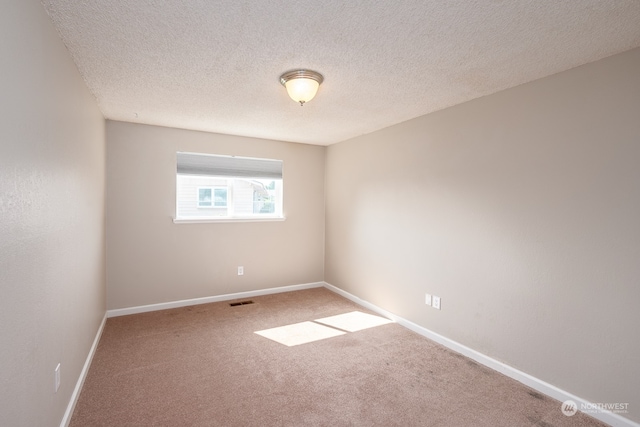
205, 365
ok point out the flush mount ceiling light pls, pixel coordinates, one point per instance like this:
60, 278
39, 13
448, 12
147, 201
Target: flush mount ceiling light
302, 85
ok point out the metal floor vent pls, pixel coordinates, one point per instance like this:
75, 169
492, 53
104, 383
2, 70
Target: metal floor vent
235, 304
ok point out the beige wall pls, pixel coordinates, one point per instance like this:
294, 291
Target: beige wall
152, 260
52, 154
521, 210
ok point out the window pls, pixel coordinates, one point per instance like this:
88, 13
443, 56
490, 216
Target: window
212, 187
220, 197
209, 197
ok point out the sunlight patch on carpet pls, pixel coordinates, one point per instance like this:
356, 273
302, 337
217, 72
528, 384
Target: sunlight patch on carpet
299, 333
354, 321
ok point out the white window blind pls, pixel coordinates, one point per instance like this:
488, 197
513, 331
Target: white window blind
239, 167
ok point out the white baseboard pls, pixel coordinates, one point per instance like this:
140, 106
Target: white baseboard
66, 419
205, 300
550, 390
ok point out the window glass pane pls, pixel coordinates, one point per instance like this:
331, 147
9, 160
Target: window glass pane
204, 197
220, 197
264, 196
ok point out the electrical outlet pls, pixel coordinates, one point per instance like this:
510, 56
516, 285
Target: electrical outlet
427, 299
436, 302
57, 378
240, 271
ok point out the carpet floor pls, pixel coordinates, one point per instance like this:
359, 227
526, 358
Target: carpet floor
205, 365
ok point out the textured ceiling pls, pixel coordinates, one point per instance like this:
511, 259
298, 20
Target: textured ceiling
214, 65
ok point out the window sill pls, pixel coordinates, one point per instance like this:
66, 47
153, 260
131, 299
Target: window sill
222, 220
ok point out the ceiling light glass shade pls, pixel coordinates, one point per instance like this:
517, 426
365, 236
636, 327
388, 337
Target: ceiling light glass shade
302, 85
302, 90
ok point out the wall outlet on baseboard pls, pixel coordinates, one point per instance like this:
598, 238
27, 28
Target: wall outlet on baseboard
57, 378
240, 271
436, 302
427, 299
